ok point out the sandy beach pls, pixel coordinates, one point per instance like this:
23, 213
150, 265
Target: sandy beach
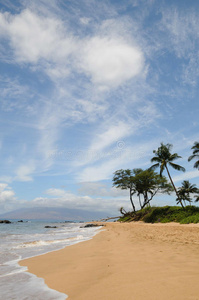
126, 261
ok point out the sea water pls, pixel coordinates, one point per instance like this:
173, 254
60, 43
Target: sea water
20, 240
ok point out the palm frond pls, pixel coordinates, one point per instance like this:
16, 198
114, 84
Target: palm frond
195, 155
196, 151
167, 146
195, 146
174, 157
196, 165
191, 157
197, 199
155, 159
177, 167
155, 166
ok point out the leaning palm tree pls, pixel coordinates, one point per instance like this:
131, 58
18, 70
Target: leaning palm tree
195, 154
163, 158
186, 190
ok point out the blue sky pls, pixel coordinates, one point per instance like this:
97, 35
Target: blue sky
90, 87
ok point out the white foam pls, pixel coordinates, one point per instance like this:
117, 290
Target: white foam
20, 285
25, 286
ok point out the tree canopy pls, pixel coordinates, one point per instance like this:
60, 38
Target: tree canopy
145, 184
148, 183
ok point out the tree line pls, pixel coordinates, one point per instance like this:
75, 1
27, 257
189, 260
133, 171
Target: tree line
145, 184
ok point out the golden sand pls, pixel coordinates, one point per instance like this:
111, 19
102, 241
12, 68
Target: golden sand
126, 261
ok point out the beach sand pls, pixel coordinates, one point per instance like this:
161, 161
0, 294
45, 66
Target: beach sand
126, 261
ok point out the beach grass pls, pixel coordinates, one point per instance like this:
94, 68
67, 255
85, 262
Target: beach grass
165, 214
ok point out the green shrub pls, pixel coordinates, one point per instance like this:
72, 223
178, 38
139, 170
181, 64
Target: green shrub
190, 219
165, 214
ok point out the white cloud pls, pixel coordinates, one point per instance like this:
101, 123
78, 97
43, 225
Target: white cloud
35, 37
110, 61
186, 176
48, 136
101, 190
182, 32
3, 186
109, 141
87, 66
110, 135
182, 27
13, 95
62, 198
91, 110
44, 41
7, 179
25, 172
85, 21
104, 169
57, 192
128, 157
7, 197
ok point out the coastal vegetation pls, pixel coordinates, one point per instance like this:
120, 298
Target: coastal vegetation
145, 184
165, 214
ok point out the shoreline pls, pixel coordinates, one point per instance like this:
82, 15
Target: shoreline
126, 261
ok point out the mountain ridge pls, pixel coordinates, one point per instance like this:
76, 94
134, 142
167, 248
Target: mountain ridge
53, 213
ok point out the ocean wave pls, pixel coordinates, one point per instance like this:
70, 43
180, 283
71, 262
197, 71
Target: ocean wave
48, 242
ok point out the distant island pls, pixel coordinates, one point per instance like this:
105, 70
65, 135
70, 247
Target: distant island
53, 213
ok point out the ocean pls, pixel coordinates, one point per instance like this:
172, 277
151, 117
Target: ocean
20, 240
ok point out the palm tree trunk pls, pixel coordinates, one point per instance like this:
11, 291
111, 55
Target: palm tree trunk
174, 187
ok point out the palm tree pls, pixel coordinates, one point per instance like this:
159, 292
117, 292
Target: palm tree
195, 155
185, 190
163, 158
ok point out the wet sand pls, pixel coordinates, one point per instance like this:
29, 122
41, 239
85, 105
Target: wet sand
126, 261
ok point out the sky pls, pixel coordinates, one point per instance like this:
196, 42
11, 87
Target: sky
89, 87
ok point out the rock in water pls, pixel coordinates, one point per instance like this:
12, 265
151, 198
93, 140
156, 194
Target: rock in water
50, 227
91, 225
5, 221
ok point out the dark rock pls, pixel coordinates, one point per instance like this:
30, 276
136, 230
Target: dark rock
91, 225
5, 221
50, 227
21, 221
69, 222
